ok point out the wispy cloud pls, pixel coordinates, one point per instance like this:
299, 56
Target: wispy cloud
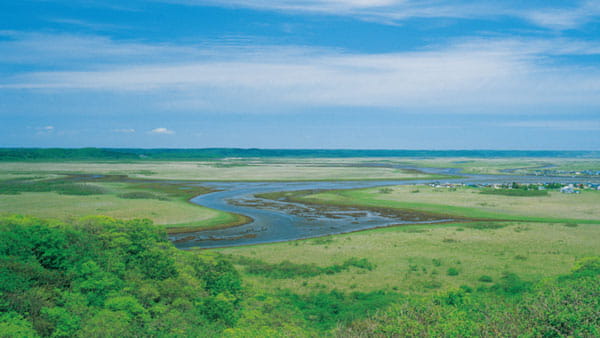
469, 73
162, 130
124, 130
552, 14
566, 18
73, 50
45, 130
583, 125
95, 26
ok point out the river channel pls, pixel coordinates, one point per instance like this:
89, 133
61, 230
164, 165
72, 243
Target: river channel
277, 221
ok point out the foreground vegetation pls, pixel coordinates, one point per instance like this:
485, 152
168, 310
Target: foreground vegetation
101, 277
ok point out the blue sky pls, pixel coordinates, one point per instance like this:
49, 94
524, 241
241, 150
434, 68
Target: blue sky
377, 74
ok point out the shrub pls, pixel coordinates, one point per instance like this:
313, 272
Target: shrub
62, 187
287, 269
452, 272
432, 284
485, 279
142, 195
512, 284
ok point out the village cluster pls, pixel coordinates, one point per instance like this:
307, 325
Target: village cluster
573, 188
571, 173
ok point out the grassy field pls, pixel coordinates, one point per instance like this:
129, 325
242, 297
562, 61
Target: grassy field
496, 166
420, 259
225, 170
468, 202
165, 204
541, 237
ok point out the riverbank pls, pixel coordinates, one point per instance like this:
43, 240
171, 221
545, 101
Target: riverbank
459, 202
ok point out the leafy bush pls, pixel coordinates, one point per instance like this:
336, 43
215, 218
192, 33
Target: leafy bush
287, 269
325, 310
452, 272
485, 279
511, 284
142, 195
64, 187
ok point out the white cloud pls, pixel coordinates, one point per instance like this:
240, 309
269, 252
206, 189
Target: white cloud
475, 74
45, 130
470, 74
162, 130
124, 130
564, 16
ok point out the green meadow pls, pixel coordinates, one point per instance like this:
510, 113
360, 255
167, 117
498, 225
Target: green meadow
514, 264
253, 169
166, 204
421, 259
464, 202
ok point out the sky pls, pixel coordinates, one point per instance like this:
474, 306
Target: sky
357, 74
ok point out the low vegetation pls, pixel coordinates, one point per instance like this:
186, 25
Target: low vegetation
514, 192
60, 186
99, 277
532, 205
142, 195
165, 203
287, 269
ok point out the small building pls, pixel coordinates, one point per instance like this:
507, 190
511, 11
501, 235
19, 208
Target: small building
569, 190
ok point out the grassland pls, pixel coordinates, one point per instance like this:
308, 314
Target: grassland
466, 202
501, 166
166, 204
539, 237
225, 170
419, 259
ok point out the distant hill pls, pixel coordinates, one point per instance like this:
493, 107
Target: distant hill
83, 154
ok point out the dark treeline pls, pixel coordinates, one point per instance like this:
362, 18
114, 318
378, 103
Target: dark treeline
78, 154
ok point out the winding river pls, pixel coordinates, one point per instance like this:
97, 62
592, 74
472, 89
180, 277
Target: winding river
276, 221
